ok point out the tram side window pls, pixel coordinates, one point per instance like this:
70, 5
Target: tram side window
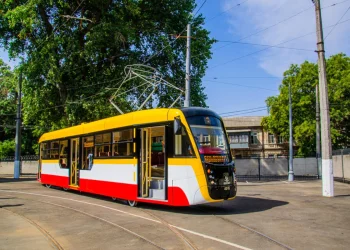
63, 154
54, 148
183, 145
45, 150
88, 151
103, 145
122, 144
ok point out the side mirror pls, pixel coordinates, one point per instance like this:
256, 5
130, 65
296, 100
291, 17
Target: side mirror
177, 126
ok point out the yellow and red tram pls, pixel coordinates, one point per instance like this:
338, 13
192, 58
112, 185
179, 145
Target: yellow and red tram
176, 157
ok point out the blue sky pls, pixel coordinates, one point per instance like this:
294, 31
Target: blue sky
250, 17
241, 78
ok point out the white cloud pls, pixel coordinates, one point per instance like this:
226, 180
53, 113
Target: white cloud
255, 15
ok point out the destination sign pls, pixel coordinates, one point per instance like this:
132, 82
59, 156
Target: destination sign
214, 158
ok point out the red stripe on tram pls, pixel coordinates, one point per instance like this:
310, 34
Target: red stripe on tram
176, 196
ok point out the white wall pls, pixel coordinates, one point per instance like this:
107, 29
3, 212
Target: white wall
28, 167
276, 166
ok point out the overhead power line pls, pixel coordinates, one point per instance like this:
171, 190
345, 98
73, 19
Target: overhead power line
56, 29
243, 113
258, 51
273, 25
219, 14
336, 23
241, 85
200, 7
245, 77
177, 37
266, 45
238, 111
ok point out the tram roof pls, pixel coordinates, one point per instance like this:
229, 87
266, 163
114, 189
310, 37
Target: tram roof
119, 121
126, 120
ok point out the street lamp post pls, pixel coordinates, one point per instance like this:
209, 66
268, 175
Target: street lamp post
291, 172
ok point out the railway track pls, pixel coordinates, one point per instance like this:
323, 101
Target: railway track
51, 239
178, 231
59, 247
186, 242
247, 228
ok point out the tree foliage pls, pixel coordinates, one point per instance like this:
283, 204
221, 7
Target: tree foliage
75, 51
8, 109
303, 80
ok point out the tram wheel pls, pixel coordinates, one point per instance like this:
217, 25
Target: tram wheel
65, 189
48, 185
132, 203
114, 199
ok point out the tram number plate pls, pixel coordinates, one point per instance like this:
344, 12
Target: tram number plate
226, 188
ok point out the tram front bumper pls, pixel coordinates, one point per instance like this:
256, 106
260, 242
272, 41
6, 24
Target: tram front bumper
223, 191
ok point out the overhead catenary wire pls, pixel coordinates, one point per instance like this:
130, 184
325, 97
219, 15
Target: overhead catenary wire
238, 111
258, 51
336, 23
223, 12
249, 112
98, 83
273, 25
177, 37
241, 85
54, 30
200, 7
266, 45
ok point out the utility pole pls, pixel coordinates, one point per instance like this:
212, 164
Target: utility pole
17, 169
327, 163
187, 102
318, 142
291, 172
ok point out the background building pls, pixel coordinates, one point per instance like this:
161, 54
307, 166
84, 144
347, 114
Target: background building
249, 140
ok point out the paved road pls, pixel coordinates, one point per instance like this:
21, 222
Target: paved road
274, 215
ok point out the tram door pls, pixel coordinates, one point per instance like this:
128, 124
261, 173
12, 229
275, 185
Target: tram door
145, 161
74, 161
152, 163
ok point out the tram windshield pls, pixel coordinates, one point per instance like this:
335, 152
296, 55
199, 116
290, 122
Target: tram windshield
210, 139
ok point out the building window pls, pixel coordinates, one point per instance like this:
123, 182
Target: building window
239, 138
254, 156
270, 156
254, 138
280, 139
271, 138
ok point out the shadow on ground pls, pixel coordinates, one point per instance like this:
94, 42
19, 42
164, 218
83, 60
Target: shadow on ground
14, 205
21, 179
240, 205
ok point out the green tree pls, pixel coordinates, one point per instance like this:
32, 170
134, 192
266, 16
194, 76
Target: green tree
8, 109
76, 50
8, 97
303, 80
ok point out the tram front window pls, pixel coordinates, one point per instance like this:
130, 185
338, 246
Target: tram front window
210, 139
215, 154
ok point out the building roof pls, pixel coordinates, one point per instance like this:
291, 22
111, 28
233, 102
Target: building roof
243, 122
